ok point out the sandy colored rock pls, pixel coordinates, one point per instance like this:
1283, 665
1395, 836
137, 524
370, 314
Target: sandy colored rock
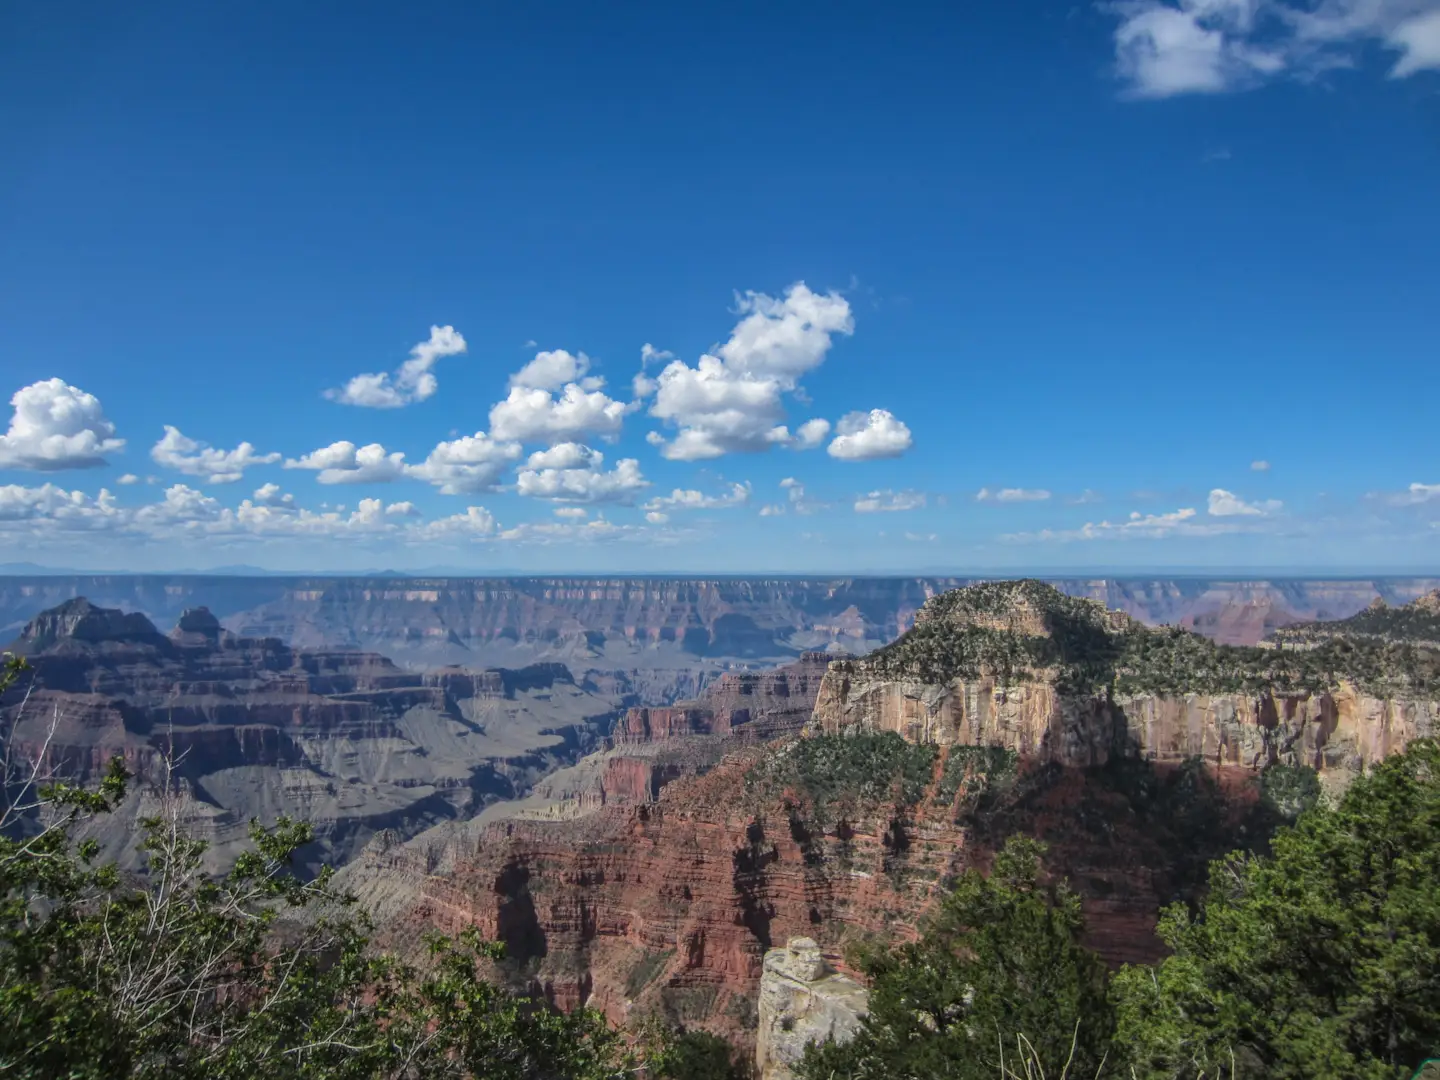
1345, 730
802, 1000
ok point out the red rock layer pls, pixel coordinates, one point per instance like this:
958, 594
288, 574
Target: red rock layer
757, 706
671, 906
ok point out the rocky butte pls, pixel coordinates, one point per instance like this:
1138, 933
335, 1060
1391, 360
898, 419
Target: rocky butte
1056, 678
1136, 754
247, 728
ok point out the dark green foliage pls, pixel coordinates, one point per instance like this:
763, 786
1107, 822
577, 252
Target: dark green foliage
976, 771
1417, 623
1000, 959
829, 772
1317, 961
697, 1055
1287, 791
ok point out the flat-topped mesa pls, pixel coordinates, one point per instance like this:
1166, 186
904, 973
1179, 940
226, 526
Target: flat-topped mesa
1022, 666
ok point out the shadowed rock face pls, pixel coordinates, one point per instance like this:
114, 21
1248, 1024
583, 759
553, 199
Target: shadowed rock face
250, 727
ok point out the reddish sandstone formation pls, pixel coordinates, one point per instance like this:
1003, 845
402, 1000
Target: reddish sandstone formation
755, 706
669, 907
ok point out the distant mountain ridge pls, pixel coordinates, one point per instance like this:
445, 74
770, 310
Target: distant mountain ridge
762, 618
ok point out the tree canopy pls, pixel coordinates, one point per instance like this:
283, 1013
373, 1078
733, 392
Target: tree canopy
1320, 960
998, 973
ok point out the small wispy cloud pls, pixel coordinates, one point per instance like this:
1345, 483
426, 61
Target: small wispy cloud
1011, 495
1260, 466
1414, 495
888, 501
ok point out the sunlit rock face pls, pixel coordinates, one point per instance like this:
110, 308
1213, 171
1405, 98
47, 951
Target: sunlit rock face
803, 1000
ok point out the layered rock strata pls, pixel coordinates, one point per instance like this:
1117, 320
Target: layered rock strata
1057, 680
245, 727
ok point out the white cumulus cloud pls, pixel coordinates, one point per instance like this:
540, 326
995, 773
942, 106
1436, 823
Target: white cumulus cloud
271, 495
128, 479
576, 474
535, 414
345, 463
732, 401
466, 465
193, 458
57, 426
552, 370
870, 436
1227, 504
1414, 495
1138, 526
412, 382
475, 523
689, 499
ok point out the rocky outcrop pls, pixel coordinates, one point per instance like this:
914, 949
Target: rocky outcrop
1342, 730
251, 728
1020, 666
753, 706
669, 903
803, 1000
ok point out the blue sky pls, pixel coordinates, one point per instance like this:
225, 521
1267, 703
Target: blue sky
1026, 285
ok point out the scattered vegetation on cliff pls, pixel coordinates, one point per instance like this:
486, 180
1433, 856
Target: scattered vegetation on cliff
1314, 959
1416, 623
975, 772
827, 774
1014, 630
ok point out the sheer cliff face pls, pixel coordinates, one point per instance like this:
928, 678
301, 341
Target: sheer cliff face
1342, 730
255, 728
1017, 665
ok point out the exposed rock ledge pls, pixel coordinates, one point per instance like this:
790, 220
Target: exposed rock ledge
802, 1000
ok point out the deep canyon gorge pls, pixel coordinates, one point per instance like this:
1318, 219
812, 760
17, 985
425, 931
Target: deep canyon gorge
640, 786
